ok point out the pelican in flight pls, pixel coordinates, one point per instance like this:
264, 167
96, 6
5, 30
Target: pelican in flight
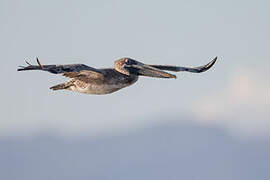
126, 71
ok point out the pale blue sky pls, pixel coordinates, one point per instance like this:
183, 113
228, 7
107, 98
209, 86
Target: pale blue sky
96, 33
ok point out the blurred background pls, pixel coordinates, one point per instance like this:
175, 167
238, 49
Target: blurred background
214, 125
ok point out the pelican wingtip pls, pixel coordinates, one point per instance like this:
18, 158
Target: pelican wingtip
211, 63
40, 65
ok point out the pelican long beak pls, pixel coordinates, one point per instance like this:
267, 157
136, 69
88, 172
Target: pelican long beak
146, 70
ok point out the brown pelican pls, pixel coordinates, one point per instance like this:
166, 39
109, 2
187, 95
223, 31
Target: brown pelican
85, 79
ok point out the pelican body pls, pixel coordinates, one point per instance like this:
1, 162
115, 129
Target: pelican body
126, 71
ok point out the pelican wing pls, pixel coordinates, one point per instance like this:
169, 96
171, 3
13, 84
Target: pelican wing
189, 69
58, 69
86, 76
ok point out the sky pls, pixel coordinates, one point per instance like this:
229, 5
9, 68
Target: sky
232, 97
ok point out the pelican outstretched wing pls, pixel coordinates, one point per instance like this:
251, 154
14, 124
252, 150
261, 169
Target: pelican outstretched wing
189, 69
59, 69
85, 76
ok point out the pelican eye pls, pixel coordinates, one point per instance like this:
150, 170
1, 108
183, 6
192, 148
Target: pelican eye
129, 62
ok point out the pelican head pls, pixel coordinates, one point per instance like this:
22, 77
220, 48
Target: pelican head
129, 67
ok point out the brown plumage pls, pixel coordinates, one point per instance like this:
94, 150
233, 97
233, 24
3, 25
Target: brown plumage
85, 79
